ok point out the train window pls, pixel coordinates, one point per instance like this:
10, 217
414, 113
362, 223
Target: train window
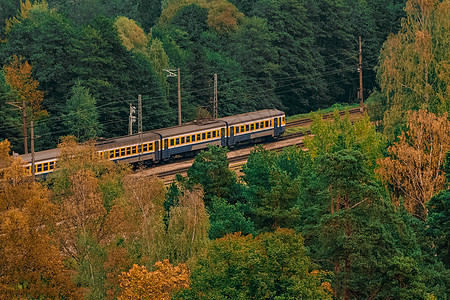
182, 140
133, 150
257, 126
214, 134
188, 139
51, 165
177, 141
246, 127
122, 152
116, 153
150, 147
28, 169
39, 168
111, 154
139, 149
172, 142
261, 125
237, 129
209, 135
46, 167
145, 148
128, 150
252, 127
267, 124
242, 129
203, 136
193, 137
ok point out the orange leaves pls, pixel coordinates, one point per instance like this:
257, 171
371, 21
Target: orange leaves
414, 167
30, 263
223, 16
138, 283
18, 75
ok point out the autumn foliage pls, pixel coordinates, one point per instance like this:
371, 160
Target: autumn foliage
18, 75
30, 262
138, 283
414, 165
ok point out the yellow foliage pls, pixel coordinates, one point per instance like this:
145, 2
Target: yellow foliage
138, 283
25, 7
133, 36
414, 67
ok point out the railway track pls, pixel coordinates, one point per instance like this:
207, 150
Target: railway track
236, 162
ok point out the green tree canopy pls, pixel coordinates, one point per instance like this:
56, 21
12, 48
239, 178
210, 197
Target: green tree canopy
270, 266
82, 116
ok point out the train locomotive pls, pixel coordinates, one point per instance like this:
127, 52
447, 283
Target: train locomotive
166, 143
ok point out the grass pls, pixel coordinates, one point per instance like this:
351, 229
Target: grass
339, 106
295, 130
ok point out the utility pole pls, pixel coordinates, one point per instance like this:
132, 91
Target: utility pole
33, 165
361, 98
24, 120
139, 113
170, 73
131, 119
215, 97
179, 97
140, 125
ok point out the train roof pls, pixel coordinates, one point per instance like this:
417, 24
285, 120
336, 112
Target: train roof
42, 155
253, 116
190, 128
145, 137
154, 135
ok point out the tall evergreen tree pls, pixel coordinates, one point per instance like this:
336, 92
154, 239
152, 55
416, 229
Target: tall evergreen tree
82, 116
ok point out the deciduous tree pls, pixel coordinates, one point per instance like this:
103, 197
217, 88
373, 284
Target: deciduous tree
414, 64
18, 75
31, 263
339, 134
187, 233
414, 167
138, 283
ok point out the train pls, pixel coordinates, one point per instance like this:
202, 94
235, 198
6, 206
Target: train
185, 140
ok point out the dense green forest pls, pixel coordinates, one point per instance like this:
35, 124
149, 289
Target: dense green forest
364, 213
297, 56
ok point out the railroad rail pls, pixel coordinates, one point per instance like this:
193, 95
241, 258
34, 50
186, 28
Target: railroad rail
236, 162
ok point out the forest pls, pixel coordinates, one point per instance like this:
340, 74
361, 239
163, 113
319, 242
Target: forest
90, 59
364, 213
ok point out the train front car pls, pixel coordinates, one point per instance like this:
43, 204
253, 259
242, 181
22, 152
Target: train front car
255, 126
